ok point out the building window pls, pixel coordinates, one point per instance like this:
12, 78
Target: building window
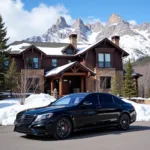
69, 61
6, 64
104, 60
69, 51
32, 63
54, 62
33, 84
105, 82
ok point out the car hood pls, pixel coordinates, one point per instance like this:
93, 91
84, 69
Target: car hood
43, 110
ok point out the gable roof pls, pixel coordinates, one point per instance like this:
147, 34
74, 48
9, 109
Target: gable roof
50, 48
99, 42
58, 70
47, 48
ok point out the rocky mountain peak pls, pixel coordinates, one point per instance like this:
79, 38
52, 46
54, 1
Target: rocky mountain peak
61, 22
96, 27
114, 18
77, 23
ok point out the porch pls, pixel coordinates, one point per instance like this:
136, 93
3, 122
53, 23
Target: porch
69, 78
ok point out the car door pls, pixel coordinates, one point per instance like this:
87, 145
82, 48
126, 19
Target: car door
86, 115
109, 111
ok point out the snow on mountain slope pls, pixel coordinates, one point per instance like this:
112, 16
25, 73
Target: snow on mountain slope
135, 39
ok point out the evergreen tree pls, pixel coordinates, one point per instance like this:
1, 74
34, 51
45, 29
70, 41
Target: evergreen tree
115, 87
3, 33
11, 76
3, 53
129, 82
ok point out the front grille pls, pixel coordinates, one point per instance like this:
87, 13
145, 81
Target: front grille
18, 118
24, 118
27, 119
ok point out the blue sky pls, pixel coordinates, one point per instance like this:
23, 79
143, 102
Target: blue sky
128, 9
26, 18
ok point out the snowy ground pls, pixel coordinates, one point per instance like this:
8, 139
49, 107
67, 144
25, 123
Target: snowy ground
10, 107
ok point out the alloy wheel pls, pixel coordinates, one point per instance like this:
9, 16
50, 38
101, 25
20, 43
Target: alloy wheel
63, 128
124, 122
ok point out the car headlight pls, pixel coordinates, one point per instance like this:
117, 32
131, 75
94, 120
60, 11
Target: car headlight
43, 116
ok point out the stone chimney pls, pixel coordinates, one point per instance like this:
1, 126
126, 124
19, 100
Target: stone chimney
115, 39
73, 40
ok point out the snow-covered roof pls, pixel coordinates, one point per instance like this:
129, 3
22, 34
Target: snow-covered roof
18, 48
57, 70
92, 45
47, 48
52, 50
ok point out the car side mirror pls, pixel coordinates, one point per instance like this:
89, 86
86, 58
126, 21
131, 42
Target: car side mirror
87, 103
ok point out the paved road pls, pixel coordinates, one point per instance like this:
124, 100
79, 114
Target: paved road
137, 138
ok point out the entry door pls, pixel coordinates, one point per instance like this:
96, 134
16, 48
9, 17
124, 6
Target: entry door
66, 87
87, 115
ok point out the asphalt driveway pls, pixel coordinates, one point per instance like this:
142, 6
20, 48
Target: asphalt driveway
137, 138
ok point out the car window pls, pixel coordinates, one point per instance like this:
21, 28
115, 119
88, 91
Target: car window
106, 99
69, 100
92, 98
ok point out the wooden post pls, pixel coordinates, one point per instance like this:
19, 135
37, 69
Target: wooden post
60, 86
52, 85
82, 84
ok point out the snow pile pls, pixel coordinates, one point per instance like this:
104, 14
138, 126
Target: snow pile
142, 110
9, 108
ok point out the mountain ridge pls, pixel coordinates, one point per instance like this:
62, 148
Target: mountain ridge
135, 39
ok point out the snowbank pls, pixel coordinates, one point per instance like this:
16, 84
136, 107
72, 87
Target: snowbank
142, 110
9, 108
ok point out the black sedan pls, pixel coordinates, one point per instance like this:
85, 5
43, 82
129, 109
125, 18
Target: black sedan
76, 112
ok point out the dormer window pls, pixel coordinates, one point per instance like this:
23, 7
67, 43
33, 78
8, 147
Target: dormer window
32, 63
69, 51
54, 62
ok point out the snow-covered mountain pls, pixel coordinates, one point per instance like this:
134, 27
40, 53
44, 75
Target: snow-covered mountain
135, 39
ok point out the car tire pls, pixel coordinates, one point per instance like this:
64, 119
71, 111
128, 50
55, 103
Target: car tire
124, 122
62, 129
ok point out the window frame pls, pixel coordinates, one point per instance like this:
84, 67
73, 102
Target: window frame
32, 62
69, 49
105, 86
54, 64
104, 60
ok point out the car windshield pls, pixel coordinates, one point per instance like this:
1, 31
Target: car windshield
69, 100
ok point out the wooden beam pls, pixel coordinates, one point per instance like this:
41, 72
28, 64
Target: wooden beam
75, 74
89, 74
60, 87
82, 84
52, 85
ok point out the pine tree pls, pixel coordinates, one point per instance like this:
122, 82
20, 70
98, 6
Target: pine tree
3, 33
3, 53
129, 82
11, 75
115, 87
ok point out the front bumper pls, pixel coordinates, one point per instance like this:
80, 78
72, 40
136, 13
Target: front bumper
37, 129
133, 116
